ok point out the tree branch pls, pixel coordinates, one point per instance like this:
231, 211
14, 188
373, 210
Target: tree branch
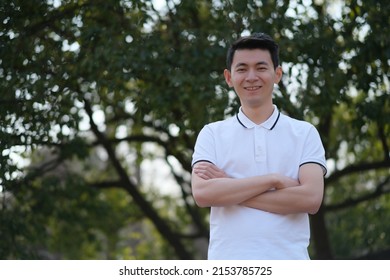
384, 139
132, 189
54, 16
106, 184
193, 212
379, 190
36, 171
355, 168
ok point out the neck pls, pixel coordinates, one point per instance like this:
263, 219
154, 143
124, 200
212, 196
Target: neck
259, 114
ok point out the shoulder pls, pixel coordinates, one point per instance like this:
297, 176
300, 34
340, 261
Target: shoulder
222, 124
296, 124
297, 128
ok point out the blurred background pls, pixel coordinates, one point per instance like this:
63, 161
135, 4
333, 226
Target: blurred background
101, 102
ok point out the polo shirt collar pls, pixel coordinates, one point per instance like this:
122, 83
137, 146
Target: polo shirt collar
268, 124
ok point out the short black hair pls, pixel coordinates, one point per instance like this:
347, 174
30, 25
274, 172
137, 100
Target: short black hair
254, 41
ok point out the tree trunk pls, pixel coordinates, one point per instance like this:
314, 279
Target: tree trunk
319, 236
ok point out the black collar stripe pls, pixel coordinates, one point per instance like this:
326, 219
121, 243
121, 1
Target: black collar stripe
276, 121
240, 121
270, 128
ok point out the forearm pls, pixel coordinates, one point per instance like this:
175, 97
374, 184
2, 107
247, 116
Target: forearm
304, 198
286, 201
228, 191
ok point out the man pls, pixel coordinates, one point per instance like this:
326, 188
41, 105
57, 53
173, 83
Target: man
260, 171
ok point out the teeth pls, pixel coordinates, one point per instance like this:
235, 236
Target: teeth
252, 88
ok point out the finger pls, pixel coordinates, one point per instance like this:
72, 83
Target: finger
205, 173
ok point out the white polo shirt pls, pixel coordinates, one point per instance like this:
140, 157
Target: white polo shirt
243, 149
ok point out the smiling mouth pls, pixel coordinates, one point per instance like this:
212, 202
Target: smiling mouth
252, 88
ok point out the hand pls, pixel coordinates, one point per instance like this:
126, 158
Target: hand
207, 170
282, 182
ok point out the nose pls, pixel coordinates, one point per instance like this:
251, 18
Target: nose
251, 76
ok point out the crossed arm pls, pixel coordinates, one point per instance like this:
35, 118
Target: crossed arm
272, 192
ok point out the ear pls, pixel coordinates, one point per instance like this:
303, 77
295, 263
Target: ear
228, 77
278, 74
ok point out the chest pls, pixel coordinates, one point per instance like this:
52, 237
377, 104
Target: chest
259, 151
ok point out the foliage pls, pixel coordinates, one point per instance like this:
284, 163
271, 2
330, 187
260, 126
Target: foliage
93, 91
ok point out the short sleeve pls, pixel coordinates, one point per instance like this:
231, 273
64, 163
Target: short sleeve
204, 149
314, 151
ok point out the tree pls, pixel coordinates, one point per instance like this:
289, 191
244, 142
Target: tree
88, 87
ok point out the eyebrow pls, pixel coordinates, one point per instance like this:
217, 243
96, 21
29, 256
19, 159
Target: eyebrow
257, 64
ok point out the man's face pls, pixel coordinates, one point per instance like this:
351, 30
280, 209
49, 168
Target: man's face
253, 76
